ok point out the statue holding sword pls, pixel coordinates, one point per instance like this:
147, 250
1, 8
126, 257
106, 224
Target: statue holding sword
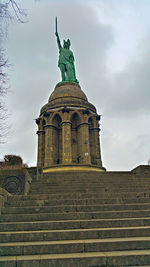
66, 60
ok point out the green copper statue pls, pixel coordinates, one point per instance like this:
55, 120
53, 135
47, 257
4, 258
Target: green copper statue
66, 60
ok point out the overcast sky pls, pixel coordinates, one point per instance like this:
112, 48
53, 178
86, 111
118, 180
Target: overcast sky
110, 40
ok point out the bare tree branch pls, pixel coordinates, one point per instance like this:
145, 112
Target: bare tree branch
19, 12
5, 17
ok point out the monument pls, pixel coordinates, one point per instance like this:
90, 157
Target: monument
68, 125
68, 211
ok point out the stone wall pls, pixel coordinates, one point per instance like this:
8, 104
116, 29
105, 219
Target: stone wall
142, 169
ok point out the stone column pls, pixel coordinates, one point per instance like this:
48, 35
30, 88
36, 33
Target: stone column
84, 141
48, 146
97, 146
41, 154
66, 142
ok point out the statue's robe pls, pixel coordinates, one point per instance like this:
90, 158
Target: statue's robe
64, 56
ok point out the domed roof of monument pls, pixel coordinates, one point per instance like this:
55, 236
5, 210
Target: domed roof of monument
67, 90
67, 93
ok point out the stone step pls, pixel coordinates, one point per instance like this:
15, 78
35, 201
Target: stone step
80, 195
84, 214
75, 208
74, 234
138, 258
86, 201
97, 189
86, 189
86, 180
74, 224
102, 194
76, 175
74, 246
89, 184
106, 179
71, 189
91, 179
74, 215
100, 182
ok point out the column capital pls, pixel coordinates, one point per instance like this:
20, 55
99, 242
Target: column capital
49, 126
83, 124
37, 120
98, 117
96, 129
66, 122
40, 132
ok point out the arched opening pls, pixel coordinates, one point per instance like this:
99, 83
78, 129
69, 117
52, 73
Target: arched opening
92, 140
57, 139
75, 138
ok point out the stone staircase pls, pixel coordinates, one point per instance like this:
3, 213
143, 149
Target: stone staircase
78, 219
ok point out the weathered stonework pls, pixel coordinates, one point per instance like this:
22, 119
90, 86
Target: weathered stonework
16, 181
68, 129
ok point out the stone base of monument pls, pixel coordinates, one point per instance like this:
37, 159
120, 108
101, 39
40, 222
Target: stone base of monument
68, 129
77, 218
70, 168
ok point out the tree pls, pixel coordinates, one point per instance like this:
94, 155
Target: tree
12, 161
5, 17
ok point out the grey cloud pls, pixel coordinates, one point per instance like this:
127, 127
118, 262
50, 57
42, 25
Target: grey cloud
125, 141
33, 50
130, 89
